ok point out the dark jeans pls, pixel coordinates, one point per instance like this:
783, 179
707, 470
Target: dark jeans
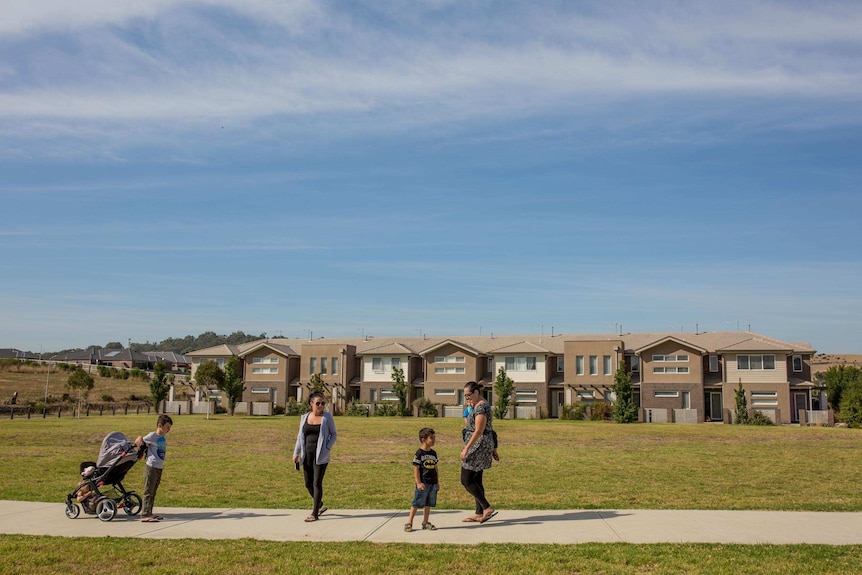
314, 481
472, 482
152, 479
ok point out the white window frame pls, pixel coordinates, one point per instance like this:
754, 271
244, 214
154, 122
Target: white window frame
334, 364
323, 365
636, 364
264, 371
797, 358
579, 365
713, 364
606, 365
665, 369
264, 360
377, 364
561, 364
594, 365
449, 370
450, 359
312, 365
665, 358
521, 363
660, 393
260, 390
755, 362
526, 396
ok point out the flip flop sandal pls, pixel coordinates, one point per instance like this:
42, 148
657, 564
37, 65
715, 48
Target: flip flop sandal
472, 519
408, 527
322, 511
487, 517
429, 526
310, 518
150, 519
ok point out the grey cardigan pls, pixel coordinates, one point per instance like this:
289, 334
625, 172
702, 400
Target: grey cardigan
324, 442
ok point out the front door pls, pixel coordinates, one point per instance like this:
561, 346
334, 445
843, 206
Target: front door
715, 406
800, 401
557, 399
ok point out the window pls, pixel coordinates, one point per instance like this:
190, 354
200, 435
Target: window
606, 364
764, 398
797, 363
665, 394
636, 364
372, 394
395, 362
264, 360
713, 363
561, 364
670, 370
260, 390
686, 400
377, 364
323, 365
334, 366
445, 392
579, 365
449, 370
594, 365
449, 359
755, 362
264, 370
490, 365
521, 363
312, 365
526, 396
682, 357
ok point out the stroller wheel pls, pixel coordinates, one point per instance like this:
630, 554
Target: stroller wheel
132, 504
106, 508
72, 510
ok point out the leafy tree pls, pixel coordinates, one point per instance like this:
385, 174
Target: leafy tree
741, 405
316, 384
209, 375
400, 387
837, 379
82, 382
624, 410
232, 385
851, 404
159, 385
113, 345
504, 387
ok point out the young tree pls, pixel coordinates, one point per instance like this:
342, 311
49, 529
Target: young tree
159, 385
504, 387
400, 387
316, 385
232, 385
82, 382
741, 405
850, 411
209, 375
624, 410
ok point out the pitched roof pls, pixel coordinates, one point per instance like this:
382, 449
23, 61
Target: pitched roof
391, 348
284, 350
520, 347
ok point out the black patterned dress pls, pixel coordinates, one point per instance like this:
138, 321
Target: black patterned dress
480, 455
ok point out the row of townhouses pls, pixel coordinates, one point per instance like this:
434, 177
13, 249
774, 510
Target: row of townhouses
688, 377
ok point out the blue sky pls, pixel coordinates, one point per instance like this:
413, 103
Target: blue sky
406, 167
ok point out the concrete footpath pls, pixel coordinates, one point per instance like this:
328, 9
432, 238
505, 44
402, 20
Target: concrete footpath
509, 526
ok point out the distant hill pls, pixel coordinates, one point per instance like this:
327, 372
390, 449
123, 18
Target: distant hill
181, 344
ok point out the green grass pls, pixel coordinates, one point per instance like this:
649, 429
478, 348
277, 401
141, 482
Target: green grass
245, 462
549, 464
26, 555
29, 381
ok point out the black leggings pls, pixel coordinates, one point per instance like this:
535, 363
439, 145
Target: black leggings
472, 482
314, 481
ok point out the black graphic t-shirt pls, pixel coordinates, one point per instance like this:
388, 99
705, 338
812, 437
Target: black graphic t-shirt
427, 463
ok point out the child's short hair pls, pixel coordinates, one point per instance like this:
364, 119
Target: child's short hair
425, 433
164, 419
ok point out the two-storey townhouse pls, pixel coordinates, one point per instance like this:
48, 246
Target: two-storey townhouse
590, 364
676, 376
270, 373
377, 366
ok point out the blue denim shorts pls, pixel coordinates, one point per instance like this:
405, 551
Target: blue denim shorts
426, 497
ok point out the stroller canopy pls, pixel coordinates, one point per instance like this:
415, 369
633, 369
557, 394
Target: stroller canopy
113, 447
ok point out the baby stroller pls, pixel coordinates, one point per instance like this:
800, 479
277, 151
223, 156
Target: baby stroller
101, 490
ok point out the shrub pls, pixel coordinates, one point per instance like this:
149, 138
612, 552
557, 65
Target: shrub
426, 408
107, 398
757, 418
574, 411
356, 409
293, 407
601, 411
386, 409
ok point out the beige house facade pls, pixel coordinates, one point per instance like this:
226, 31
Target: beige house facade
677, 377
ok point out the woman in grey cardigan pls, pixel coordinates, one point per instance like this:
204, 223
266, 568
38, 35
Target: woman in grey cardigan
313, 444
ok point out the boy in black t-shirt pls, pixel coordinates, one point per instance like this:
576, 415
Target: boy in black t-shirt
425, 476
